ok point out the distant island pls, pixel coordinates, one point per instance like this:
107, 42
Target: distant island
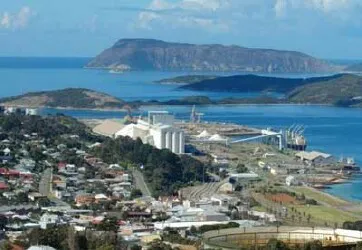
340, 89
253, 83
187, 79
65, 98
343, 90
150, 54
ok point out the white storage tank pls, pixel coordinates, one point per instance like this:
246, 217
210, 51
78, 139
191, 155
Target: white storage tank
175, 142
182, 142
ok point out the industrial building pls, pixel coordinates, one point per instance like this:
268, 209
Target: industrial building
315, 158
157, 131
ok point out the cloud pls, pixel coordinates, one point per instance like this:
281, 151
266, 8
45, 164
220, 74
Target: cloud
187, 13
5, 20
22, 18
323, 6
330, 5
280, 8
213, 5
17, 20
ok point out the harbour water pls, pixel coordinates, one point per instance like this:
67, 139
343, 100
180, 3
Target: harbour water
330, 129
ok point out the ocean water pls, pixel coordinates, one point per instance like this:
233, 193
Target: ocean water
38, 74
329, 129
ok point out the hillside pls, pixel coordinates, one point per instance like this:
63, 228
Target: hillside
150, 54
253, 83
65, 98
345, 90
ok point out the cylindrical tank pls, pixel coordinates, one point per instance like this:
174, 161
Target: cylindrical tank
182, 142
163, 140
169, 140
175, 142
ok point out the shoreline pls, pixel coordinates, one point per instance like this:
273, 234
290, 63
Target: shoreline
327, 184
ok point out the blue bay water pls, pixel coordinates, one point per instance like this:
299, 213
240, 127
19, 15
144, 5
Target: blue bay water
330, 129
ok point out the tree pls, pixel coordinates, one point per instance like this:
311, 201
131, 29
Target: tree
108, 224
105, 247
3, 222
241, 168
359, 246
308, 218
348, 225
5, 245
313, 245
136, 247
159, 245
274, 244
136, 193
193, 230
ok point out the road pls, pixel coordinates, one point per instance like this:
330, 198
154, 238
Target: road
45, 182
140, 183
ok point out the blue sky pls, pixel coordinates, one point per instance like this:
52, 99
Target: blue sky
322, 28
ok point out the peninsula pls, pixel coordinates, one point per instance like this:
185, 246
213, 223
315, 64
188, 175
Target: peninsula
77, 98
187, 79
150, 54
340, 90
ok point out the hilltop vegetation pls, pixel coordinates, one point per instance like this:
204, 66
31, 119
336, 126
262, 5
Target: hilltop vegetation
341, 90
254, 83
164, 171
345, 90
65, 98
151, 54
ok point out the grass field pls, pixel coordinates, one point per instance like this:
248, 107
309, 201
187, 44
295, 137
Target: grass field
327, 214
319, 196
259, 209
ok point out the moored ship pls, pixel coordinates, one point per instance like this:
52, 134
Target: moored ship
295, 139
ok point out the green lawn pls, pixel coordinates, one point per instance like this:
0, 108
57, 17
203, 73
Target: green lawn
319, 196
328, 214
259, 209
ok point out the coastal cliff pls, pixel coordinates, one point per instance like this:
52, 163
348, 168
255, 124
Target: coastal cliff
149, 54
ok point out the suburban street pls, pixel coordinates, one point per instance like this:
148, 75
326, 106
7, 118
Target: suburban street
140, 183
45, 182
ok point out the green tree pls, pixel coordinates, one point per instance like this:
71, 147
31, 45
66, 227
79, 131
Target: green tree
193, 230
106, 247
313, 245
136, 247
159, 245
274, 244
3, 222
359, 246
108, 224
136, 193
5, 245
241, 168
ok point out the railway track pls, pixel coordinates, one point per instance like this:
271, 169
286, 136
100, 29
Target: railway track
197, 193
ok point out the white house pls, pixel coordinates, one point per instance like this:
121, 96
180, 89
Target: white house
47, 220
291, 181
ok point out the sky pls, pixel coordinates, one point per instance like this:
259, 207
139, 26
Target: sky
329, 29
